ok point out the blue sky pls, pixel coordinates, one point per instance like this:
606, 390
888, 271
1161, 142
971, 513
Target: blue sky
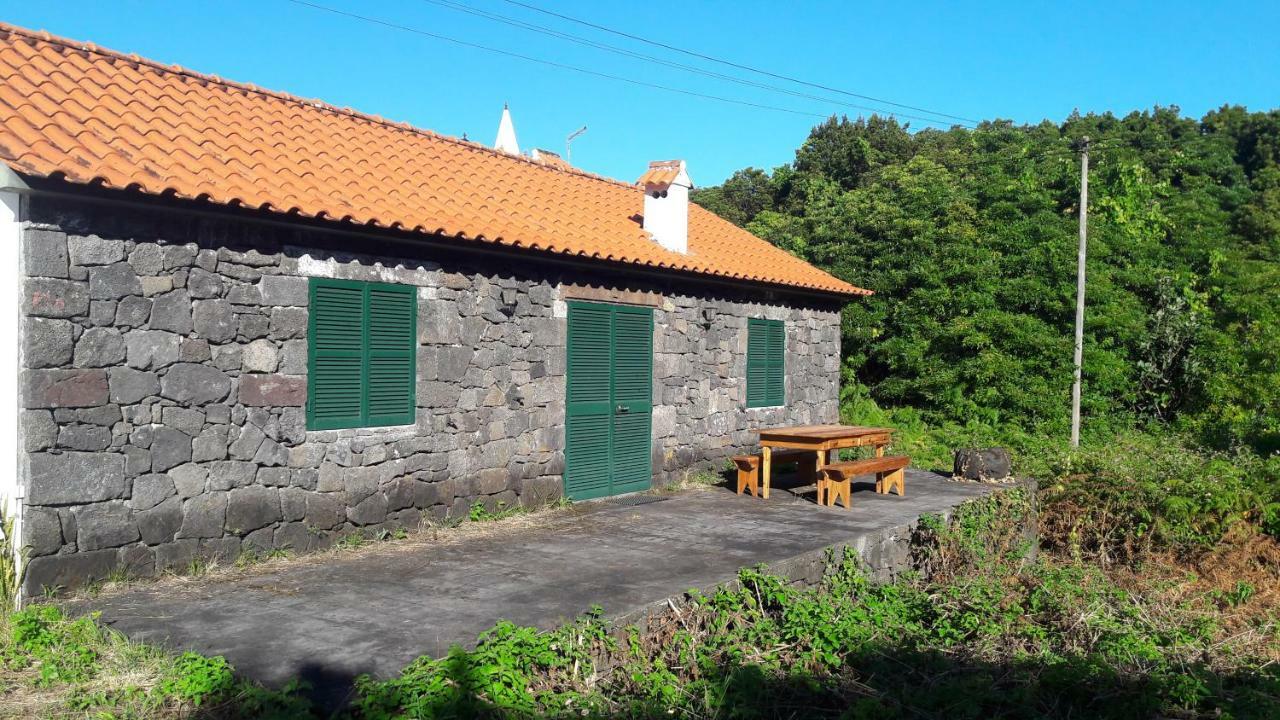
1024, 61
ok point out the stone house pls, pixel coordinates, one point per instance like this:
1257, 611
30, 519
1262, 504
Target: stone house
250, 321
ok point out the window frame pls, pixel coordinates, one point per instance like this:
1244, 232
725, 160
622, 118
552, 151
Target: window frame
365, 418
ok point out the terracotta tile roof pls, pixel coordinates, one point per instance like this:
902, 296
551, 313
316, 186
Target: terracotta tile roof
661, 174
90, 116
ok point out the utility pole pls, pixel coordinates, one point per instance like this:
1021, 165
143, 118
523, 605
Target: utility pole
1084, 236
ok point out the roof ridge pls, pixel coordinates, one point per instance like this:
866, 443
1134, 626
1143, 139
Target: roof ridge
176, 69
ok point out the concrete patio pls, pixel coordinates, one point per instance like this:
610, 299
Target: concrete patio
374, 610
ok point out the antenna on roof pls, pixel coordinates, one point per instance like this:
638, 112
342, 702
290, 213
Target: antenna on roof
568, 143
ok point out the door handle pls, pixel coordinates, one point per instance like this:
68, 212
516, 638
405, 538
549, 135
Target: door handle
622, 409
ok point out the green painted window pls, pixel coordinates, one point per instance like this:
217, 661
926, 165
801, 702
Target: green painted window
360, 354
766, 350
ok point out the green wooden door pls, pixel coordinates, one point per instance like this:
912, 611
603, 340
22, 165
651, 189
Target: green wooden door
609, 393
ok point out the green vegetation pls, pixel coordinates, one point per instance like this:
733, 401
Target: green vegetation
968, 238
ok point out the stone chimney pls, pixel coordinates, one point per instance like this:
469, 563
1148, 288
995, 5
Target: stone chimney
666, 203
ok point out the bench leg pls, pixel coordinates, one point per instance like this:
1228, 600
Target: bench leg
897, 478
838, 490
748, 480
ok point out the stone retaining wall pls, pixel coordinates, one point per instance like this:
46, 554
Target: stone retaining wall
164, 387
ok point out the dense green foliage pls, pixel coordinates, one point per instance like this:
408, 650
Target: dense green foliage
969, 239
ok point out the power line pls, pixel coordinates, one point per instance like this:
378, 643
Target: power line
552, 63
588, 42
730, 63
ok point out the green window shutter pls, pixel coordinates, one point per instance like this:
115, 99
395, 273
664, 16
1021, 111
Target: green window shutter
776, 363
361, 354
335, 355
391, 340
766, 354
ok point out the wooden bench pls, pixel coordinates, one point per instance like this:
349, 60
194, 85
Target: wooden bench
834, 479
749, 467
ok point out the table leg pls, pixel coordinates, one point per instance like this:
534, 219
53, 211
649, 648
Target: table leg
819, 478
879, 450
766, 453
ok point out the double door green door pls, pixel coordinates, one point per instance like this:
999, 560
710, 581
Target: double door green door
609, 400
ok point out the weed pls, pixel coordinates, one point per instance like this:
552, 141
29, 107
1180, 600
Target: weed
480, 513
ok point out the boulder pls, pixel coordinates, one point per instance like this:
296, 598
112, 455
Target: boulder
982, 465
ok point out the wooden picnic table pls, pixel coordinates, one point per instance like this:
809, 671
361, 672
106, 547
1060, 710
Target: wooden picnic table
821, 439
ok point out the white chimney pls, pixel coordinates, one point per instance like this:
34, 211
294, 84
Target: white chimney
506, 141
666, 203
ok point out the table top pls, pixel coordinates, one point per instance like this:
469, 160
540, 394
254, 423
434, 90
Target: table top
819, 433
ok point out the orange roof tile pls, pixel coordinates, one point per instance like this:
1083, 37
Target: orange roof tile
661, 174
90, 116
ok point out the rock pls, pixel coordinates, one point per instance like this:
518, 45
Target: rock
989, 465
187, 420
67, 571
105, 525
147, 259
41, 530
203, 284
179, 256
293, 504
293, 358
214, 320
44, 253
324, 511
207, 259
274, 476
154, 285
271, 453
370, 511
203, 516
246, 444
93, 250
133, 312
102, 312
227, 474
260, 356
194, 350
273, 390
189, 480
46, 342
150, 490
169, 448
129, 386
177, 555
75, 477
99, 347
64, 388
161, 523
112, 282
294, 536
211, 444
288, 322
284, 290
152, 349
253, 507
172, 311
90, 438
193, 384
39, 431
45, 297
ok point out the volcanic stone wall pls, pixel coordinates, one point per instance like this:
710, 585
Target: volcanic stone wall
164, 386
